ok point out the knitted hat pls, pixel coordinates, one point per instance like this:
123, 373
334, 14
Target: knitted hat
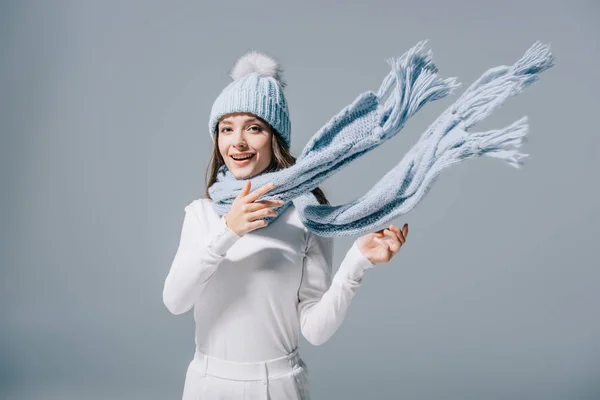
257, 88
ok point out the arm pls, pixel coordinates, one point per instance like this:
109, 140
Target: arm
323, 300
196, 260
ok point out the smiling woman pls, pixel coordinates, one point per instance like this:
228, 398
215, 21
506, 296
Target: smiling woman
244, 142
253, 293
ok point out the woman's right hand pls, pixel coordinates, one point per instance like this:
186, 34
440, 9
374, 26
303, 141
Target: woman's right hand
245, 211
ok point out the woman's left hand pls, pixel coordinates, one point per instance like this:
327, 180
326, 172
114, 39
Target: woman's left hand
377, 249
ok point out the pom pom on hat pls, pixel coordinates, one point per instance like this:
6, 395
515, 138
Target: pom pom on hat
258, 62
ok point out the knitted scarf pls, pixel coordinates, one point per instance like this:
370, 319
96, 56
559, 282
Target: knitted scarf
371, 120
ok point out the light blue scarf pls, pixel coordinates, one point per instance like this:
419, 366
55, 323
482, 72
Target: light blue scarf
370, 120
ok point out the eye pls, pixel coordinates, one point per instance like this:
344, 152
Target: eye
256, 128
224, 128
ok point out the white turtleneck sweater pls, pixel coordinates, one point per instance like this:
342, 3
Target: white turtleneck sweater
253, 294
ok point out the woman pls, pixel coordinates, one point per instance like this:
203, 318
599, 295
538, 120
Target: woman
254, 290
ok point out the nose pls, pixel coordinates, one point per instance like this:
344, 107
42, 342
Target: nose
239, 139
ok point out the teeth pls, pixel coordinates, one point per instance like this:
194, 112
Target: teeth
242, 158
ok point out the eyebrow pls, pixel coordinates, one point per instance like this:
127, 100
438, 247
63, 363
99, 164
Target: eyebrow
225, 122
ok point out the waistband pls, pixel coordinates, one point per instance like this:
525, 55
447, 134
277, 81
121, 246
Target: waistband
246, 371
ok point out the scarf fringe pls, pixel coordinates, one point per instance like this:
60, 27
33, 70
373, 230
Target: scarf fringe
489, 91
496, 143
414, 78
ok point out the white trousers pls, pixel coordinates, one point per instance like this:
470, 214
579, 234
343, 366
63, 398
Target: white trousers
211, 378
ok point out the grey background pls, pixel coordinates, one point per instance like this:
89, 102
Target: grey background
104, 110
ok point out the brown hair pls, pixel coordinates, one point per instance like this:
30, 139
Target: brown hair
281, 158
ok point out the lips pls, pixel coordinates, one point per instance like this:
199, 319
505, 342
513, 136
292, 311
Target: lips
243, 155
243, 161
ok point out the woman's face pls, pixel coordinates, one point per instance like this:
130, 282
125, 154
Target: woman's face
245, 134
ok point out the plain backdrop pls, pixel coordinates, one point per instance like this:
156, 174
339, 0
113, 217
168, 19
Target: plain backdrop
103, 119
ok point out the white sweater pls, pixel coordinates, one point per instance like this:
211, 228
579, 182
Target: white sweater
253, 294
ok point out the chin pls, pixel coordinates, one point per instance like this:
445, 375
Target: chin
239, 174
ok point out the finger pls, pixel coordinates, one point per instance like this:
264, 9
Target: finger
386, 232
404, 232
259, 223
402, 236
267, 212
379, 236
245, 189
259, 192
396, 241
270, 203
254, 206
398, 233
261, 204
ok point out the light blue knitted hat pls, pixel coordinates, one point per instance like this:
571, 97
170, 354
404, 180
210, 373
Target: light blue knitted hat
257, 88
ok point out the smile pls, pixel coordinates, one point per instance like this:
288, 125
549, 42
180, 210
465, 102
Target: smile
243, 161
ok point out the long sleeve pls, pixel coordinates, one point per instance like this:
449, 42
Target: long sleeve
323, 298
196, 260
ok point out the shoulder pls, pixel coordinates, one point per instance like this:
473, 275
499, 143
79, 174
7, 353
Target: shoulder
197, 206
